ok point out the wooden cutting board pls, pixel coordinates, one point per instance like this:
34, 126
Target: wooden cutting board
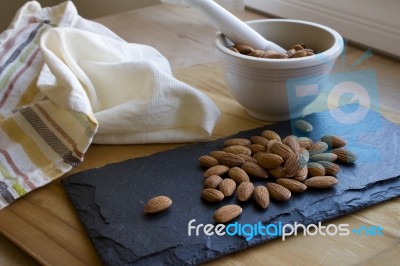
45, 225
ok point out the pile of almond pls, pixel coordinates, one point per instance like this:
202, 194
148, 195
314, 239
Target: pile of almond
290, 165
298, 50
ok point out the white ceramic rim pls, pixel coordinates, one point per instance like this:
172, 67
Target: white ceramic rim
333, 51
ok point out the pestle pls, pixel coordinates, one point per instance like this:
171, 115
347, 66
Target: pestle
232, 27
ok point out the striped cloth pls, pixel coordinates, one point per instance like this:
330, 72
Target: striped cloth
55, 97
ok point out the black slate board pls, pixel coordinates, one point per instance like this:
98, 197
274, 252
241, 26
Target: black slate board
110, 200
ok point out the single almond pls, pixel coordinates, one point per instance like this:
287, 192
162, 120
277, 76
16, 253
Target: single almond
301, 174
315, 169
292, 142
276, 172
256, 148
269, 160
333, 141
269, 135
282, 150
231, 159
157, 204
212, 195
212, 181
238, 149
330, 167
216, 170
237, 141
227, 213
254, 169
293, 164
208, 161
303, 125
292, 185
305, 142
326, 156
259, 140
248, 158
243, 48
344, 155
227, 187
321, 182
318, 147
238, 175
261, 196
305, 153
270, 143
244, 191
278, 192
217, 154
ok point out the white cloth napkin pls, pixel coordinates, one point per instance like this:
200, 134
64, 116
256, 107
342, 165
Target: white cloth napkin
66, 82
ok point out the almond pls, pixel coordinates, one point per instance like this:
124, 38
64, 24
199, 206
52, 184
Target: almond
317, 147
256, 148
269, 135
278, 192
261, 196
254, 169
208, 161
212, 195
259, 140
282, 150
270, 143
216, 170
321, 182
330, 167
238, 175
248, 158
269, 160
330, 157
237, 141
231, 159
333, 141
157, 204
301, 174
227, 187
292, 142
227, 213
305, 153
305, 142
315, 169
217, 154
243, 48
303, 125
212, 181
238, 149
244, 191
293, 164
276, 172
292, 185
344, 155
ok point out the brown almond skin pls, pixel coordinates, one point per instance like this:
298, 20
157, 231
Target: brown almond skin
301, 174
212, 181
293, 164
261, 196
268, 160
227, 213
157, 204
330, 168
212, 195
344, 155
244, 191
217, 154
305, 142
318, 147
231, 159
259, 140
208, 161
269, 135
237, 141
333, 141
254, 169
243, 48
216, 170
315, 169
256, 148
278, 192
321, 182
238, 175
292, 142
282, 150
227, 187
276, 172
292, 185
238, 149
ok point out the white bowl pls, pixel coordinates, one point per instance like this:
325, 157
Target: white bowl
280, 89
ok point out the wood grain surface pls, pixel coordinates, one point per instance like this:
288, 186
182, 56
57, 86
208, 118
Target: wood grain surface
45, 226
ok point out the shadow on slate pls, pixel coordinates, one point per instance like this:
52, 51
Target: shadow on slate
110, 199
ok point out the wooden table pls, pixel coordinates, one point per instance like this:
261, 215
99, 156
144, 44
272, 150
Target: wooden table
45, 226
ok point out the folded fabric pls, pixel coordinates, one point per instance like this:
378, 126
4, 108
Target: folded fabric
66, 82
